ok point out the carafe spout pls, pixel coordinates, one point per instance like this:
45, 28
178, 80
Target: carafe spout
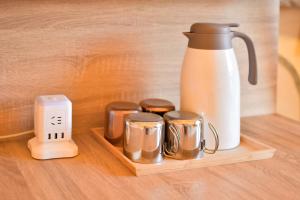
188, 34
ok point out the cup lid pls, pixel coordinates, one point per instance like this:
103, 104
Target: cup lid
181, 115
157, 105
144, 117
122, 106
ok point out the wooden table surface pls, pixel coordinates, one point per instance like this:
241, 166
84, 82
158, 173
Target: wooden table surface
95, 174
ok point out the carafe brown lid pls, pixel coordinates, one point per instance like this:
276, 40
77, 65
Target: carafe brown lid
211, 36
212, 28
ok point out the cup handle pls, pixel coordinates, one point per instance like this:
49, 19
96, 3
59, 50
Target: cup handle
216, 136
176, 135
215, 133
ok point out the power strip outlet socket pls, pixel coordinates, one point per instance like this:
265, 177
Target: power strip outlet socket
52, 128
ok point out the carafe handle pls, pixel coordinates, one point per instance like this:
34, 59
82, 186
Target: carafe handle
252, 77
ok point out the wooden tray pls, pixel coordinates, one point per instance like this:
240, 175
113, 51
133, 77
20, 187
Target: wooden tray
249, 149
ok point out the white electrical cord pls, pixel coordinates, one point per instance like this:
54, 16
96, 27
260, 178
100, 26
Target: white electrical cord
15, 135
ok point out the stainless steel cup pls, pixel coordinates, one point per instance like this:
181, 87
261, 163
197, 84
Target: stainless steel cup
143, 137
114, 119
185, 135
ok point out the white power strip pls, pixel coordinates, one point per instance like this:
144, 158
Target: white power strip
52, 128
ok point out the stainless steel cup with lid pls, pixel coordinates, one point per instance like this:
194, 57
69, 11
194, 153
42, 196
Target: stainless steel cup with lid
185, 135
114, 119
157, 106
144, 137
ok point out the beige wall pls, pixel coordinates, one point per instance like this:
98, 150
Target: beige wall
96, 52
288, 85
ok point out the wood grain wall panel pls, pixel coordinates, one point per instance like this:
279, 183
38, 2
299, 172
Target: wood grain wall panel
99, 51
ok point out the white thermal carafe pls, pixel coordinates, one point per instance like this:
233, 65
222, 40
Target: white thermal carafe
210, 80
